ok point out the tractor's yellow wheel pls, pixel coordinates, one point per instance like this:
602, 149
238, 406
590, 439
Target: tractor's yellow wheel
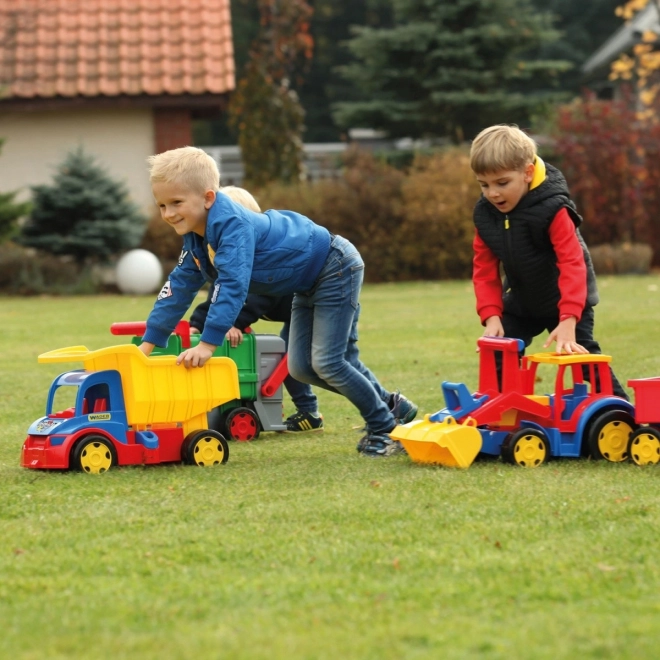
609, 435
644, 446
526, 448
94, 455
205, 448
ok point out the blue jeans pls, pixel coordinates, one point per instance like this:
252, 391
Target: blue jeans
353, 357
301, 394
323, 337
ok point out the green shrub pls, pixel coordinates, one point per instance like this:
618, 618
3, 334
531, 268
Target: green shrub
33, 272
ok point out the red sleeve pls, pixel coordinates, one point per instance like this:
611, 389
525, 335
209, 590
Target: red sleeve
571, 264
486, 280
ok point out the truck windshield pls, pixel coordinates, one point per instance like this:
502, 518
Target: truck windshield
65, 398
74, 389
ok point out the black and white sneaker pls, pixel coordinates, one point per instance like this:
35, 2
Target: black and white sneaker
379, 444
304, 422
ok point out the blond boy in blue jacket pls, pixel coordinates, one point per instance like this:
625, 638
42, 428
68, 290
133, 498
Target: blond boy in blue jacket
273, 253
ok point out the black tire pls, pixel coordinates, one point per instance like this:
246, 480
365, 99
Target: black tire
527, 448
205, 448
608, 435
242, 424
93, 454
644, 446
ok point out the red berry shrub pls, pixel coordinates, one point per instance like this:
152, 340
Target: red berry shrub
612, 164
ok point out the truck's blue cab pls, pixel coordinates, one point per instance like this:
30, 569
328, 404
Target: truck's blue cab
99, 403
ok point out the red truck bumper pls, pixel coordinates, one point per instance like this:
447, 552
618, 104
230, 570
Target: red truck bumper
38, 454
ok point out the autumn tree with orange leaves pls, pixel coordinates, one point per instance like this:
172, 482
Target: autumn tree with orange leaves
265, 110
610, 150
643, 66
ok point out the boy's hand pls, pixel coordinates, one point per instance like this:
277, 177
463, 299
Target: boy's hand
146, 348
196, 357
195, 331
235, 337
564, 335
493, 328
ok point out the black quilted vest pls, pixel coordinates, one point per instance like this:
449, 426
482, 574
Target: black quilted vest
531, 282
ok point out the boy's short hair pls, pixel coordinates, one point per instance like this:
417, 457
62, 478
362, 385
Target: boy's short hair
500, 148
242, 197
189, 166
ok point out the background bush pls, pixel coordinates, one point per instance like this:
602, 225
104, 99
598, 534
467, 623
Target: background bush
26, 271
438, 196
620, 259
612, 165
408, 225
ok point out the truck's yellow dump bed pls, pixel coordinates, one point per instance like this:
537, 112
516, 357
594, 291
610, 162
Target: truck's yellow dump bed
156, 390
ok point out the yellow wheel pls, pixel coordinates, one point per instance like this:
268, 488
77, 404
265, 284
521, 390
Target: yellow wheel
205, 448
609, 435
644, 446
94, 455
526, 448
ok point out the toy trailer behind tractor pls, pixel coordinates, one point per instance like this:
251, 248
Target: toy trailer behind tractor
644, 445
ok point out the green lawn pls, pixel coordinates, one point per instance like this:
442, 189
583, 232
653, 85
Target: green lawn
300, 548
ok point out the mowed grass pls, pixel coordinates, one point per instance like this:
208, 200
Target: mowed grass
300, 548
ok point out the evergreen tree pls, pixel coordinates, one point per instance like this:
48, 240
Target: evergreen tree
324, 85
10, 212
85, 213
451, 68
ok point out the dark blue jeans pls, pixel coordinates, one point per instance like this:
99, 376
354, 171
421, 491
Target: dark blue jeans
323, 321
301, 394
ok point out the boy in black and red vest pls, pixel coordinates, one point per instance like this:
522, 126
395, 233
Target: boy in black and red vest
526, 221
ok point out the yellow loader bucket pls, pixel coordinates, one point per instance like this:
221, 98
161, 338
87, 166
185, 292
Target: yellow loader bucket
442, 443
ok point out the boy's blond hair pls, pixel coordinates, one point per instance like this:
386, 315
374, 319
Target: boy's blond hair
242, 197
501, 148
188, 166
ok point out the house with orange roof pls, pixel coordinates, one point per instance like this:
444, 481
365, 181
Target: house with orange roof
122, 78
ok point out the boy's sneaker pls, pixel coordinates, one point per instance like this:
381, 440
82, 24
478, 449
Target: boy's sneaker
304, 422
379, 444
404, 411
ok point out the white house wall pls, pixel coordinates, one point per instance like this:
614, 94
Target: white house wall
36, 142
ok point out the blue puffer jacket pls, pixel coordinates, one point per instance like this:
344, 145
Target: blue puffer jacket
275, 253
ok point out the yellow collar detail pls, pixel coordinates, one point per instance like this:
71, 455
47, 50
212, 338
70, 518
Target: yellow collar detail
539, 173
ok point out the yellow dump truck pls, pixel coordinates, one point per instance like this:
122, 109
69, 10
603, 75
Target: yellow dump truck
130, 409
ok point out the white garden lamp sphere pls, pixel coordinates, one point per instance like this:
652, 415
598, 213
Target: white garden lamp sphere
139, 272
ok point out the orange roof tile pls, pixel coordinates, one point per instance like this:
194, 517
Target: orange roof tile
88, 48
